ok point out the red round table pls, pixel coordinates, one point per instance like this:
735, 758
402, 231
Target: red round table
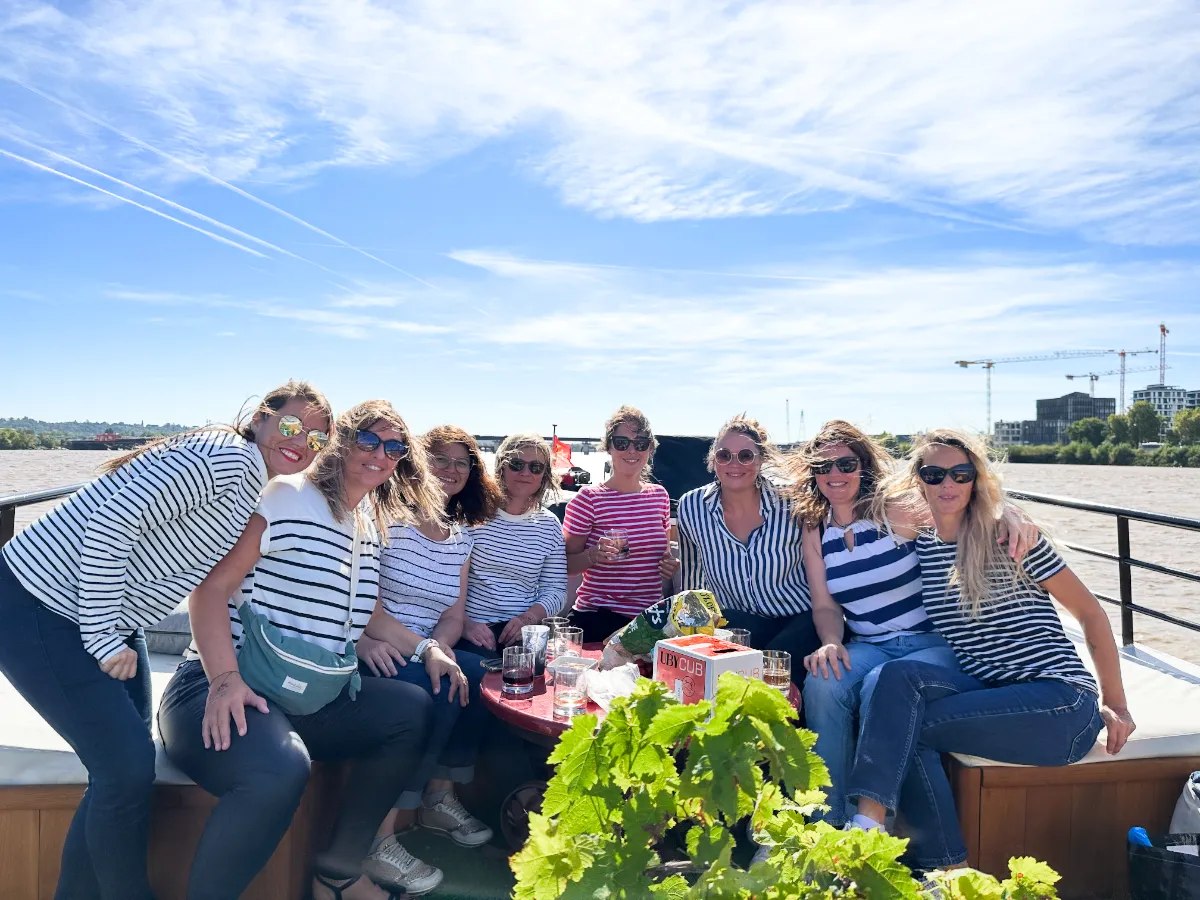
532, 715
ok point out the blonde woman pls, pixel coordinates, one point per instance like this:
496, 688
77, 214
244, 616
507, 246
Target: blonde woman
518, 572
1021, 695
295, 565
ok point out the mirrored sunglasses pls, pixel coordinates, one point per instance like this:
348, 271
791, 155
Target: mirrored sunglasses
290, 426
964, 473
368, 441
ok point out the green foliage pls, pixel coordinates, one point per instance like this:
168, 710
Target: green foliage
1034, 453
1187, 426
69, 431
657, 769
12, 439
1118, 429
1076, 452
1090, 431
1102, 455
1144, 422
1123, 455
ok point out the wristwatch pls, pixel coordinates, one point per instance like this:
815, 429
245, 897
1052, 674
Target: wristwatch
423, 647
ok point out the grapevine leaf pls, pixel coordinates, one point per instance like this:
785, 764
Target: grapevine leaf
673, 888
707, 845
548, 859
578, 755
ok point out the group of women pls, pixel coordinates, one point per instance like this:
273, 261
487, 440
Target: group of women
380, 569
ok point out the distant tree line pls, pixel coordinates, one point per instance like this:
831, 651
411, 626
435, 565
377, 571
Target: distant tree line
24, 439
34, 434
1117, 441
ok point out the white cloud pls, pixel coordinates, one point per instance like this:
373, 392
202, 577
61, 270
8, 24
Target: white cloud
1075, 114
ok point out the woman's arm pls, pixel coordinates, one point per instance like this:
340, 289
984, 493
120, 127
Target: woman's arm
826, 613
907, 521
382, 626
1068, 590
580, 558
449, 628
691, 562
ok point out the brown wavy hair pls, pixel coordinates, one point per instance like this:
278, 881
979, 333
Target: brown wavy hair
407, 497
244, 424
633, 416
809, 504
511, 447
480, 497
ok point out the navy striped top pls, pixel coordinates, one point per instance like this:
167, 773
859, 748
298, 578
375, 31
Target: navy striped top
877, 584
517, 561
765, 575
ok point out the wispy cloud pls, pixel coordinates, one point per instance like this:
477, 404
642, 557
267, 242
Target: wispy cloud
1072, 115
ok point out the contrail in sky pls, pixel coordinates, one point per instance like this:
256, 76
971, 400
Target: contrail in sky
149, 209
204, 173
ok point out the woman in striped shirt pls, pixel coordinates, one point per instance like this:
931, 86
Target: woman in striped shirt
1021, 694
78, 585
518, 559
422, 593
739, 539
616, 532
296, 563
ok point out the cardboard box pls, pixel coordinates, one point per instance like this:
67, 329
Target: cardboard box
691, 665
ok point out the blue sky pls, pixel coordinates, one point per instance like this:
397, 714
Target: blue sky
512, 215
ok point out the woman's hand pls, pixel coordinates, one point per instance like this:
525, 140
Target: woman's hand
512, 629
1019, 533
228, 698
605, 551
380, 656
438, 664
668, 566
826, 658
479, 634
122, 666
1119, 724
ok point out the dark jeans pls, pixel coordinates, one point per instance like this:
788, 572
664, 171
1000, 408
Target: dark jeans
919, 711
262, 775
795, 634
598, 624
107, 724
454, 730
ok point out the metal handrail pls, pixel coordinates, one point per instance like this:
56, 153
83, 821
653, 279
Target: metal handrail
1125, 562
9, 504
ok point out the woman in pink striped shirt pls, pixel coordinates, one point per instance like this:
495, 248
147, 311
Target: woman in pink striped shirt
616, 532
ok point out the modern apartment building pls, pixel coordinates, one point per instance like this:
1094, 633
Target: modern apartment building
1054, 414
1166, 399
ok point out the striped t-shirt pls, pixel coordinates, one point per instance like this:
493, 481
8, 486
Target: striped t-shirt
127, 549
877, 584
626, 586
301, 582
1017, 635
517, 561
419, 578
764, 575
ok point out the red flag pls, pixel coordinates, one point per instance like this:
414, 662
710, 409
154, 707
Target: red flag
560, 455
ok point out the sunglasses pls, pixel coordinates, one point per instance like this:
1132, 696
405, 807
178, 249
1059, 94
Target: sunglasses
290, 426
537, 467
725, 457
845, 465
368, 441
441, 461
620, 443
964, 473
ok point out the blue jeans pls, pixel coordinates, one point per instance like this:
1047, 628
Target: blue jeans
454, 730
107, 724
831, 705
795, 634
919, 711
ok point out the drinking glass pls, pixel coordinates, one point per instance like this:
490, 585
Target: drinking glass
534, 639
555, 622
620, 540
570, 686
777, 669
573, 636
518, 671
739, 636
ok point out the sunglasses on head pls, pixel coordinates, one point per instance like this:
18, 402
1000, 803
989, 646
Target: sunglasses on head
536, 467
368, 441
725, 456
290, 426
620, 443
963, 473
441, 461
845, 465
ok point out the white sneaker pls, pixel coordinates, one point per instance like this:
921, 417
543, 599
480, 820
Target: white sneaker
391, 866
451, 818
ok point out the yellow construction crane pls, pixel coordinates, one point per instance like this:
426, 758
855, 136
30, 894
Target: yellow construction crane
988, 364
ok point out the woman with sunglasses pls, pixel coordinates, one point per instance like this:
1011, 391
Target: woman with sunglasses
518, 559
1020, 694
78, 585
308, 563
616, 532
739, 539
422, 591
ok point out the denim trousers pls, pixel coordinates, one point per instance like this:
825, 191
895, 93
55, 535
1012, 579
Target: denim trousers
454, 730
107, 724
919, 711
260, 779
831, 705
795, 634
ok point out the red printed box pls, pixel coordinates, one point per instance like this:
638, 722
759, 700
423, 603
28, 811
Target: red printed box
691, 665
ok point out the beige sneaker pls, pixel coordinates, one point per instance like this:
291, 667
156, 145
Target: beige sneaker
391, 866
450, 817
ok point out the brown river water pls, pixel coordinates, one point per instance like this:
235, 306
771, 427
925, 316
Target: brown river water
1173, 491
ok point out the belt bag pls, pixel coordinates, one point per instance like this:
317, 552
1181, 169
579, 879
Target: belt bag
300, 677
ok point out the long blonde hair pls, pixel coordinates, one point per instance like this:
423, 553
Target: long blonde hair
981, 566
875, 465
408, 496
510, 448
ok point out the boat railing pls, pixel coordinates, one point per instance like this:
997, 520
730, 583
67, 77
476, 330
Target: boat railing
1126, 563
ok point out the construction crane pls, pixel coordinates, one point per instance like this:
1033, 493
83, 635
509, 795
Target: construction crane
1093, 377
1162, 353
988, 364
1122, 354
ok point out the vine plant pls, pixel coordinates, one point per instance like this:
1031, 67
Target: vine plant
656, 766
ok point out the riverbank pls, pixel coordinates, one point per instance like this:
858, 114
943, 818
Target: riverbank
1182, 456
